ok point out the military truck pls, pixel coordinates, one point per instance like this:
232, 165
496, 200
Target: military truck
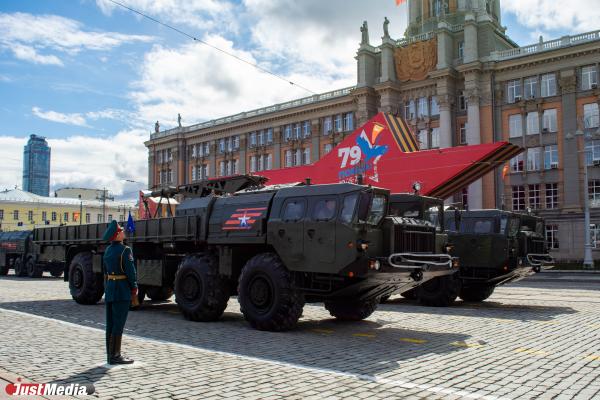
274, 247
494, 247
18, 252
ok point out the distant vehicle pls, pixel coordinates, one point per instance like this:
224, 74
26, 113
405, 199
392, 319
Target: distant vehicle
494, 247
274, 247
17, 252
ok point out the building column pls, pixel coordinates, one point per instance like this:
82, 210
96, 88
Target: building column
242, 155
277, 147
471, 49
444, 46
474, 137
388, 68
366, 100
315, 151
572, 200
151, 168
212, 159
389, 99
445, 103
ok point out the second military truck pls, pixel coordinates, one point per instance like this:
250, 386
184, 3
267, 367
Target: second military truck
274, 247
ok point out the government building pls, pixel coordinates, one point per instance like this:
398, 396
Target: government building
458, 79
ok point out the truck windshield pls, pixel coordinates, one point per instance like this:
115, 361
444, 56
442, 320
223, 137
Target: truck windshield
377, 209
432, 215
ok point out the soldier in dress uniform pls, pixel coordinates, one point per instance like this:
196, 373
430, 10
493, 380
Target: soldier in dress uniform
120, 285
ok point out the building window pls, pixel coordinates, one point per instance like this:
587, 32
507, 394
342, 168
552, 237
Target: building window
533, 123
306, 129
44, 216
194, 174
338, 123
221, 168
552, 236
99, 218
16, 215
169, 155
551, 157
205, 171
30, 215
435, 138
530, 85
595, 235
534, 159
297, 131
288, 158
253, 164
287, 132
410, 110
423, 107
462, 134
589, 77
298, 157
591, 116
159, 157
462, 102
548, 85
1, 214
327, 126
515, 125
269, 135
260, 138
88, 218
328, 148
594, 192
110, 217
206, 148
260, 164
423, 140
53, 215
516, 163
253, 139
169, 176
551, 195
592, 152
236, 142
534, 196
349, 122
513, 91
306, 156
549, 121
193, 147
461, 49
65, 217
435, 107
518, 198
269, 162
221, 145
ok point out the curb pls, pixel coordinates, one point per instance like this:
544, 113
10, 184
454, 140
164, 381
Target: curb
570, 271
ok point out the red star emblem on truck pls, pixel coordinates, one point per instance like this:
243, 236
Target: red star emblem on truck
243, 218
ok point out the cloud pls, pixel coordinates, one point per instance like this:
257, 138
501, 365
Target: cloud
69, 119
552, 15
82, 161
26, 35
206, 15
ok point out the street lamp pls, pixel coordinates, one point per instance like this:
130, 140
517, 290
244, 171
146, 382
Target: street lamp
588, 261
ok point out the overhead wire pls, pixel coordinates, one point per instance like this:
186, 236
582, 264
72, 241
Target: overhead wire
262, 69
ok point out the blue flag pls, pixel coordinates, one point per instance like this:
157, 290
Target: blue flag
130, 224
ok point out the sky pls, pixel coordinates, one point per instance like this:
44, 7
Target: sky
93, 78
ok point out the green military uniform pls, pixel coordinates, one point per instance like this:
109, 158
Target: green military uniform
119, 281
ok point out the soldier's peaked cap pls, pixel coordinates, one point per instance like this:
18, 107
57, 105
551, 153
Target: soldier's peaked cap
111, 231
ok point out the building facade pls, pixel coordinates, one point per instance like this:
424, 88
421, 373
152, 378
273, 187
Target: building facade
36, 166
458, 79
81, 193
20, 210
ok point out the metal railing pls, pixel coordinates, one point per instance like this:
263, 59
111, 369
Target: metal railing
564, 41
253, 113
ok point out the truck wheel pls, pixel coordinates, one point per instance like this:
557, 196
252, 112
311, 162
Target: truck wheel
33, 270
476, 293
267, 295
348, 310
19, 268
200, 292
410, 294
86, 286
440, 291
159, 293
56, 272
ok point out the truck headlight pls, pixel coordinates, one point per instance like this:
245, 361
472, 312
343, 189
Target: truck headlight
448, 248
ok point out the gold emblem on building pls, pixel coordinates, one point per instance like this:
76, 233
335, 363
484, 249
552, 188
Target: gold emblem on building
415, 61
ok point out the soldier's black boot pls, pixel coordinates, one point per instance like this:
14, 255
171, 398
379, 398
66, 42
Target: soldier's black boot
109, 347
117, 358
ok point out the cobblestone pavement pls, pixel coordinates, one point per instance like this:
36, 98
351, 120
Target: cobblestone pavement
533, 339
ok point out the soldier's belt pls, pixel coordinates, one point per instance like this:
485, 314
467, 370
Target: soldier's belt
116, 277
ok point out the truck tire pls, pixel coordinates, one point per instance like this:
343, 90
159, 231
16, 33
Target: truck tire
267, 296
56, 272
476, 293
439, 292
33, 270
20, 268
348, 310
86, 286
159, 293
200, 292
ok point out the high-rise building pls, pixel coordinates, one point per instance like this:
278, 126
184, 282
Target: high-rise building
457, 79
36, 166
